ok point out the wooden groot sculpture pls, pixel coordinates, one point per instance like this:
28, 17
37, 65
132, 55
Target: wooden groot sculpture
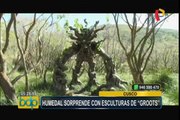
85, 48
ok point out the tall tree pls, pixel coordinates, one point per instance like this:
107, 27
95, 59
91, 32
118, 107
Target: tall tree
5, 83
24, 51
140, 49
37, 63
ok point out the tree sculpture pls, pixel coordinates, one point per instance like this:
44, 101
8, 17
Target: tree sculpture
85, 48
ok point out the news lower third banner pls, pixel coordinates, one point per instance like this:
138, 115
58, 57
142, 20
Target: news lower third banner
100, 102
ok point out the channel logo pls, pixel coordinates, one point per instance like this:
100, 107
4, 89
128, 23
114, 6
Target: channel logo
28, 102
157, 14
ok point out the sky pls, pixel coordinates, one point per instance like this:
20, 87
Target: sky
171, 23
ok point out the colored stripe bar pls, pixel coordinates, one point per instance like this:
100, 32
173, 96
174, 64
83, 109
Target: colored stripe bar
130, 93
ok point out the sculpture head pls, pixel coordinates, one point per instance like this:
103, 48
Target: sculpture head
84, 37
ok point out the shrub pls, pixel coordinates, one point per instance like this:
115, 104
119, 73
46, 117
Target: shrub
164, 80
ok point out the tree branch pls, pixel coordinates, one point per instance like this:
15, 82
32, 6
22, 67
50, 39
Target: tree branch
7, 33
28, 32
4, 22
142, 25
22, 54
117, 28
152, 45
127, 21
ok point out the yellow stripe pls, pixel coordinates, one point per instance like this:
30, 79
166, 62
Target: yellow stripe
163, 11
130, 93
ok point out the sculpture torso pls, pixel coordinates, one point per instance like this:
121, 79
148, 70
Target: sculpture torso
86, 51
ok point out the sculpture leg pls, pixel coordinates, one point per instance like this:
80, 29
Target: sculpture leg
112, 79
59, 77
92, 77
76, 72
91, 73
109, 66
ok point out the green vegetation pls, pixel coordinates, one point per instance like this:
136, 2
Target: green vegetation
170, 96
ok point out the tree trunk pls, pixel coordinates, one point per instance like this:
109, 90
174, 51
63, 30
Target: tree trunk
44, 76
138, 78
7, 87
5, 83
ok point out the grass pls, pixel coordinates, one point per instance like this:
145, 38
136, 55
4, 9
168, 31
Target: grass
36, 85
2, 98
170, 95
169, 86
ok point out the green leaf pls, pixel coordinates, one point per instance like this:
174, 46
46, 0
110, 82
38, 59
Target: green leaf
107, 18
57, 27
77, 24
66, 26
59, 17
